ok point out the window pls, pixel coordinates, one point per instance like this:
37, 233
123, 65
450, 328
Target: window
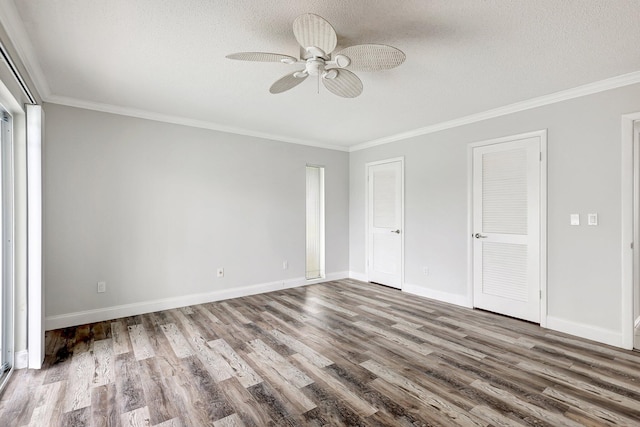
315, 223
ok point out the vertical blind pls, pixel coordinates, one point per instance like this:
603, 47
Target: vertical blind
315, 223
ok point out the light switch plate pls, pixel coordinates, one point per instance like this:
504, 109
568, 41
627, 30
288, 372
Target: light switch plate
592, 219
575, 219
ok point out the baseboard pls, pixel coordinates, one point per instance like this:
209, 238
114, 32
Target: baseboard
114, 312
457, 299
594, 333
21, 359
357, 276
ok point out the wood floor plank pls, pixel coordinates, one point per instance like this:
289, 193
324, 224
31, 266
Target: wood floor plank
600, 413
136, 418
120, 338
245, 405
129, 392
267, 355
140, 342
536, 411
342, 353
47, 408
78, 390
177, 341
104, 409
362, 407
456, 415
174, 422
310, 354
232, 420
241, 369
296, 402
104, 362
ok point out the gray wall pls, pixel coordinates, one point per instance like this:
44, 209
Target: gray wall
584, 176
154, 208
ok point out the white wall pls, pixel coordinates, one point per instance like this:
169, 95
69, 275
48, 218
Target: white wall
584, 163
154, 208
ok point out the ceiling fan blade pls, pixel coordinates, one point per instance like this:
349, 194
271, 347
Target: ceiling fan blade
313, 30
288, 82
345, 84
372, 57
262, 57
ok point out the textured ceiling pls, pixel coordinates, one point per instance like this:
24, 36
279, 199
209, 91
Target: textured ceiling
166, 59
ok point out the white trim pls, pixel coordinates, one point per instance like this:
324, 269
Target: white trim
114, 312
594, 333
21, 359
35, 297
564, 95
448, 297
366, 215
542, 134
627, 237
184, 121
358, 276
544, 308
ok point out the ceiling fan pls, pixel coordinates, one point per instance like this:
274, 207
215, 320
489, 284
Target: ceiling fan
317, 40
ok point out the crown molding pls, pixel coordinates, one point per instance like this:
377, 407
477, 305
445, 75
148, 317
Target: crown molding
166, 118
577, 92
12, 23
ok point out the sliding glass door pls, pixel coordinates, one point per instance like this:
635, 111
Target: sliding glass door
6, 247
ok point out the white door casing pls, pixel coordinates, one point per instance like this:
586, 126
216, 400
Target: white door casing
385, 222
630, 170
509, 240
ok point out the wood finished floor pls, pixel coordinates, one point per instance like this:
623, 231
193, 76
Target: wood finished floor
340, 353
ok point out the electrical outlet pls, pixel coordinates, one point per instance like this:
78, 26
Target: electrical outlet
102, 287
425, 271
220, 272
285, 265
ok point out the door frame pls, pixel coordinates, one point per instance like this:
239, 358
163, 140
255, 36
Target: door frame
630, 170
542, 134
366, 214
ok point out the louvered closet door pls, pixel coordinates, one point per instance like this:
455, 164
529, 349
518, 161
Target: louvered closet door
506, 228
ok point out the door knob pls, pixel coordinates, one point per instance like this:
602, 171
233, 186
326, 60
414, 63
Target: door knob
395, 231
480, 236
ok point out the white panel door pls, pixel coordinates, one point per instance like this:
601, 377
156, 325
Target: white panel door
506, 228
384, 252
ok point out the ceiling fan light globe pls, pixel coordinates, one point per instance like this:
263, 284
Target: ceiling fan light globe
330, 74
342, 61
